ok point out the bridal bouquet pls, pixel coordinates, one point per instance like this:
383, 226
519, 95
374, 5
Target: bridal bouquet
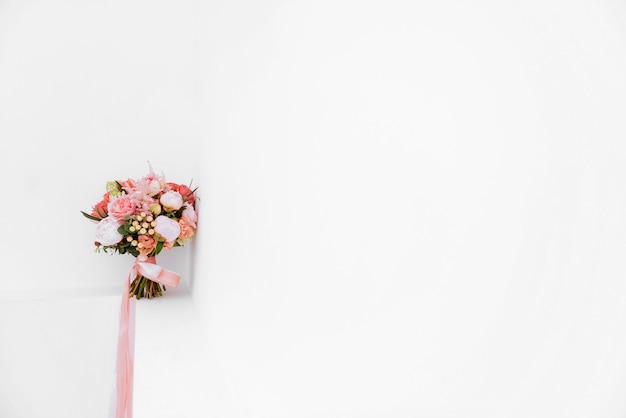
141, 217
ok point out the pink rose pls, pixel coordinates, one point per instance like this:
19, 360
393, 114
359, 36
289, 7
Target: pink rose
148, 243
167, 228
106, 231
100, 209
121, 207
186, 229
187, 194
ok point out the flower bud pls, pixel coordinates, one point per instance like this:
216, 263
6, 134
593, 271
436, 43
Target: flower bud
113, 189
155, 209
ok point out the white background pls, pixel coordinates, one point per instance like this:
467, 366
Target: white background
408, 209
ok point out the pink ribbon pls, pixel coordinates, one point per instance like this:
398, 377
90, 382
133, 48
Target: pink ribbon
126, 337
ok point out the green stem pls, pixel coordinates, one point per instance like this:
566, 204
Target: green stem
142, 287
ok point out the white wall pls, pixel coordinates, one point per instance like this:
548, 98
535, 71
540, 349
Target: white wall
414, 208
89, 91
408, 208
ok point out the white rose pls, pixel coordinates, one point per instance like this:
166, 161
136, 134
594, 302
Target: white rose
167, 228
106, 231
171, 200
190, 215
154, 187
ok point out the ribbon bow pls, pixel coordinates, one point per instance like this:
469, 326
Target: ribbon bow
126, 337
151, 270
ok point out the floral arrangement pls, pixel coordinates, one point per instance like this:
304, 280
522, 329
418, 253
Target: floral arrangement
141, 218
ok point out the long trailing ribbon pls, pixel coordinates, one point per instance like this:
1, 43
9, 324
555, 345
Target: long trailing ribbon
126, 337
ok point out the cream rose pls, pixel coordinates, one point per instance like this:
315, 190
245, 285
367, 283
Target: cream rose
154, 187
171, 200
189, 213
106, 231
167, 228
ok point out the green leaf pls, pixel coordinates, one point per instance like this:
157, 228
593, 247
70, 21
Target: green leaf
159, 246
88, 216
179, 212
